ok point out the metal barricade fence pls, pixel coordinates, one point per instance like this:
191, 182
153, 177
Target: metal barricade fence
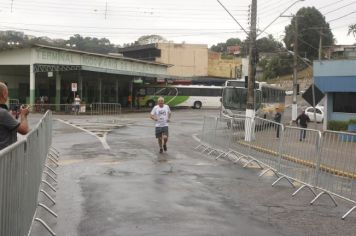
318, 161
92, 109
55, 108
21, 167
202, 143
299, 156
337, 168
209, 131
105, 108
265, 147
14, 104
237, 146
222, 136
13, 162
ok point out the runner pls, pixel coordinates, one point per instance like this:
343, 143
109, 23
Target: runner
161, 114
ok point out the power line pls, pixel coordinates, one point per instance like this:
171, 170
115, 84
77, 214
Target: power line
340, 8
113, 28
233, 17
331, 4
342, 16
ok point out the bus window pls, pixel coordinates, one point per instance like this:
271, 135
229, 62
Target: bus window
171, 92
161, 91
142, 91
150, 91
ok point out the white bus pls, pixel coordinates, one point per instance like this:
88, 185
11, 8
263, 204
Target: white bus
196, 96
267, 98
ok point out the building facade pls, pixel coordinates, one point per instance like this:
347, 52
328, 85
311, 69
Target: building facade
228, 67
192, 61
337, 79
186, 60
40, 70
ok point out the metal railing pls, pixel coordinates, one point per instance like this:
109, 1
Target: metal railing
21, 168
84, 109
105, 109
323, 162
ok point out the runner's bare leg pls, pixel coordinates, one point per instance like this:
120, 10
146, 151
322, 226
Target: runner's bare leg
160, 142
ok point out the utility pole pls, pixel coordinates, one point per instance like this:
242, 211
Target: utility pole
250, 106
320, 43
295, 72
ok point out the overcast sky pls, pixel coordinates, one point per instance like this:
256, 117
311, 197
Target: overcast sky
191, 21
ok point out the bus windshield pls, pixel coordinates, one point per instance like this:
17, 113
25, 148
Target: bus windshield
236, 98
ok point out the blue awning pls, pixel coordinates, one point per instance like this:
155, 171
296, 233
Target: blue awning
336, 83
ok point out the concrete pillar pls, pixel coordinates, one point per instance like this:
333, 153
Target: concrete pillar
58, 90
117, 90
32, 85
80, 85
100, 85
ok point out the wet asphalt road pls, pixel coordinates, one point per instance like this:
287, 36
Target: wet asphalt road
131, 189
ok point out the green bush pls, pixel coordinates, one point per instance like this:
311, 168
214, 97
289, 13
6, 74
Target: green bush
337, 125
352, 121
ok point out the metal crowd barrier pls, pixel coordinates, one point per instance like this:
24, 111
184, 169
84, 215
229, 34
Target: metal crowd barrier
323, 162
105, 108
70, 109
337, 167
299, 156
265, 147
237, 149
208, 133
220, 145
13, 103
21, 167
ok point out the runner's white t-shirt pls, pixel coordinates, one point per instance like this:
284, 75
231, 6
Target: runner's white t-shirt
76, 101
161, 113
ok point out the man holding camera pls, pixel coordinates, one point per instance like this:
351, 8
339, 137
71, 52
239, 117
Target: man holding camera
9, 126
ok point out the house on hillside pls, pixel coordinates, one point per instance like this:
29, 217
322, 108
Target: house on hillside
342, 52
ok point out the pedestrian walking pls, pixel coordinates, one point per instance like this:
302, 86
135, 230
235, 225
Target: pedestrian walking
161, 114
302, 120
77, 104
9, 125
278, 118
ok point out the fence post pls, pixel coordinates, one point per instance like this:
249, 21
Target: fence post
318, 161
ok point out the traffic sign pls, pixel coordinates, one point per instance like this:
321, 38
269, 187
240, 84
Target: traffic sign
308, 95
74, 87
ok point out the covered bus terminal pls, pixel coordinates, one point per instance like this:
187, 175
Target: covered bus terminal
49, 72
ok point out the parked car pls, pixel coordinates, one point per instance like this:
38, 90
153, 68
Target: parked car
319, 113
289, 92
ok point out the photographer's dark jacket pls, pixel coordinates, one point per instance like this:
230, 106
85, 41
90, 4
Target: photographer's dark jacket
8, 127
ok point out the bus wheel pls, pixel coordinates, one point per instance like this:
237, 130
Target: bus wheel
197, 105
150, 103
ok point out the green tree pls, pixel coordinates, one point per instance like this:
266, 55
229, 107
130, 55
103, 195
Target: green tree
233, 42
222, 47
352, 30
268, 44
148, 39
89, 44
278, 65
310, 23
